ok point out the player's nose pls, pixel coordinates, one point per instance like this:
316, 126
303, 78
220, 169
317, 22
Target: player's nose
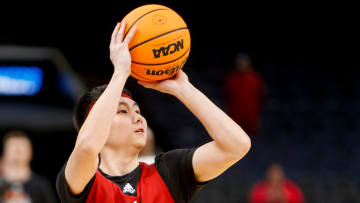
137, 118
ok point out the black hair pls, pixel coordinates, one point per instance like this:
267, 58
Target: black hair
15, 134
83, 105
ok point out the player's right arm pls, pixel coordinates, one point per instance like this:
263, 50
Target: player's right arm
83, 161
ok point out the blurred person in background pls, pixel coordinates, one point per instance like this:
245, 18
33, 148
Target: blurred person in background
18, 183
244, 93
276, 188
147, 154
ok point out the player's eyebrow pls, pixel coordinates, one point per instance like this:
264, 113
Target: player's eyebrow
126, 104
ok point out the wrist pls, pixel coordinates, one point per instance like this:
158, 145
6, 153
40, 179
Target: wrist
120, 75
184, 90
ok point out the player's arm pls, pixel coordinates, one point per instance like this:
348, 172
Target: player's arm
83, 161
230, 143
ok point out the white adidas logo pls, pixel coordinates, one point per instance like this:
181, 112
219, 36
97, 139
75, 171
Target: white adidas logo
128, 189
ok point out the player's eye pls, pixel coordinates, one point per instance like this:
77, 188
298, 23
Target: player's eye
138, 112
122, 111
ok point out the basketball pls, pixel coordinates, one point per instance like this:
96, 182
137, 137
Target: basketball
161, 44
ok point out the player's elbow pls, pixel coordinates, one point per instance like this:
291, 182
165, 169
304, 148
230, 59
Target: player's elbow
86, 150
241, 147
247, 144
87, 145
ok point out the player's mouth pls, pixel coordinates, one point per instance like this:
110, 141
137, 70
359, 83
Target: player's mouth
139, 130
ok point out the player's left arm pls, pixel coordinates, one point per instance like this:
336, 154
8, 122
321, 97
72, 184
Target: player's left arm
230, 143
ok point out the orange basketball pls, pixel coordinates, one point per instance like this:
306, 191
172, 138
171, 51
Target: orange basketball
161, 44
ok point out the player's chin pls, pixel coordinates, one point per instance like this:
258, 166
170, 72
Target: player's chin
140, 141
139, 136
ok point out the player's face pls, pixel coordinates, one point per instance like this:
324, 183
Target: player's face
128, 126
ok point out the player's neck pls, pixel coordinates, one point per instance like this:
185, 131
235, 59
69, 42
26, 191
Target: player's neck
118, 162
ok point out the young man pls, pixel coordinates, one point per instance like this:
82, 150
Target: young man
18, 183
104, 166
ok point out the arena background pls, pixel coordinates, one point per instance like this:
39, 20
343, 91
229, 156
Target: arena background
308, 55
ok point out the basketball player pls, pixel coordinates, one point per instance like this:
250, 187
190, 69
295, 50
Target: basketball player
104, 166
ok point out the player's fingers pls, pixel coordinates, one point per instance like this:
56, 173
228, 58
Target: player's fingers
120, 34
115, 32
130, 35
180, 73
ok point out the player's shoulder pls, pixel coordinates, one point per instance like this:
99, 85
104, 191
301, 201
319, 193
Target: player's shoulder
174, 158
174, 154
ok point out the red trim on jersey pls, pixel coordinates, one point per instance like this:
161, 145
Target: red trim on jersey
150, 188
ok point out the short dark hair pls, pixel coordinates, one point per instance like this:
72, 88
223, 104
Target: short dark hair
15, 134
85, 101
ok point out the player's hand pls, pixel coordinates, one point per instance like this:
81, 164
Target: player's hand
119, 50
172, 86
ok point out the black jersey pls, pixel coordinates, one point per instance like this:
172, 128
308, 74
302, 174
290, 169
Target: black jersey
175, 168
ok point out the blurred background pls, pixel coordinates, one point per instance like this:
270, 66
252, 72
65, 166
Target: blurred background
301, 70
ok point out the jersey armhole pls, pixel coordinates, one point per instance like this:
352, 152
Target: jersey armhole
84, 192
